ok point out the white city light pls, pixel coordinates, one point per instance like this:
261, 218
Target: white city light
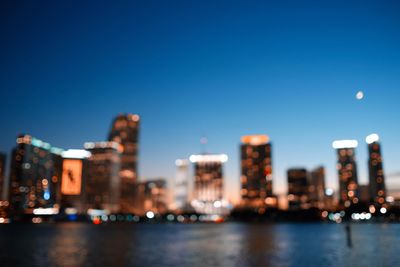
45, 211
329, 192
372, 138
71, 211
76, 154
97, 213
339, 144
104, 144
217, 204
390, 199
208, 158
150, 214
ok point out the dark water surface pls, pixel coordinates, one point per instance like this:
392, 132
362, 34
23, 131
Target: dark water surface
230, 244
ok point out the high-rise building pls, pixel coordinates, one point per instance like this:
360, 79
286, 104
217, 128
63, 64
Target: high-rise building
298, 189
347, 170
102, 186
317, 188
35, 176
376, 174
181, 187
256, 165
208, 182
73, 180
125, 131
2, 175
153, 196
4, 204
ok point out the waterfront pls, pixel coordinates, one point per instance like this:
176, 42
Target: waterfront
229, 244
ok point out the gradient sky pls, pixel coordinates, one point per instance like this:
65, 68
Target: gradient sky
192, 68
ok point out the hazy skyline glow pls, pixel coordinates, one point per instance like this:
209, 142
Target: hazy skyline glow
222, 70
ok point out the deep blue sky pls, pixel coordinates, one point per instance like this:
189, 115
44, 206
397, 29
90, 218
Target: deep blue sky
191, 68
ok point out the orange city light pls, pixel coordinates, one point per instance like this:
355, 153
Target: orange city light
255, 139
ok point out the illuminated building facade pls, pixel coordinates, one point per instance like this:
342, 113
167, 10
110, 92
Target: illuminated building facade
376, 174
102, 186
125, 131
2, 175
35, 176
347, 170
298, 196
73, 180
181, 187
4, 204
208, 182
153, 195
317, 188
256, 166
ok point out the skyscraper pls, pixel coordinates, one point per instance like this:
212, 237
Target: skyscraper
376, 174
256, 165
298, 189
125, 131
181, 187
102, 176
4, 204
347, 170
2, 175
153, 196
317, 188
35, 176
208, 182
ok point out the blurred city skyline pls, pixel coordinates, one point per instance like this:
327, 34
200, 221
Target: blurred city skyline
190, 70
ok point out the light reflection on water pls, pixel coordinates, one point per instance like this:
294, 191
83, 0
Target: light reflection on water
228, 244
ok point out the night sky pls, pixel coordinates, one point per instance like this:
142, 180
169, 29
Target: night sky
290, 70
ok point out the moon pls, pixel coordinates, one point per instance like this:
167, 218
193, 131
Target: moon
360, 95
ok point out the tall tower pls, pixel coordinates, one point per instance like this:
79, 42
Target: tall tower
4, 204
347, 170
102, 185
208, 182
125, 131
181, 188
36, 169
256, 163
298, 189
2, 175
375, 166
317, 187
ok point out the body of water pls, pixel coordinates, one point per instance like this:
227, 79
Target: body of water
229, 244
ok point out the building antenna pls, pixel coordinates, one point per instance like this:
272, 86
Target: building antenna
203, 143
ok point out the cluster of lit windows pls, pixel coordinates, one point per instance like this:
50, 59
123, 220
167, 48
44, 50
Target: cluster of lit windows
299, 189
102, 178
208, 181
125, 131
34, 175
153, 195
256, 178
377, 182
347, 176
